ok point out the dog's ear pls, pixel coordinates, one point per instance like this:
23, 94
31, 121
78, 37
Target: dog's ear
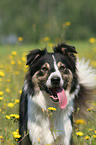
34, 55
64, 48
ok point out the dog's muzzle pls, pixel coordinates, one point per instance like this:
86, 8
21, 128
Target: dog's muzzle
55, 81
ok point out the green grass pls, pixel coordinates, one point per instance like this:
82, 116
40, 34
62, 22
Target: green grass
14, 70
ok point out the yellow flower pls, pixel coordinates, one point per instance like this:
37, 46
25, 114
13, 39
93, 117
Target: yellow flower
23, 59
1, 98
2, 73
16, 116
94, 136
46, 39
90, 109
16, 134
10, 105
20, 39
79, 133
95, 131
90, 129
87, 137
1, 93
67, 23
12, 62
17, 101
14, 53
92, 40
8, 117
52, 108
12, 115
80, 121
7, 90
38, 139
50, 44
24, 54
1, 137
20, 91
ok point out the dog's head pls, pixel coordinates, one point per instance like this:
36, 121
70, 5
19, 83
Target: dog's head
54, 73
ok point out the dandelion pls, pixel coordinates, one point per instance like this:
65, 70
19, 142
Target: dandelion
2, 74
67, 23
50, 44
1, 93
17, 101
8, 117
79, 133
1, 137
1, 98
46, 39
95, 131
87, 137
94, 136
38, 139
91, 129
23, 59
92, 40
7, 90
10, 105
20, 91
12, 62
16, 134
90, 109
52, 108
14, 53
80, 121
14, 116
20, 39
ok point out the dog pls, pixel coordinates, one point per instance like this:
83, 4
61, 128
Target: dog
59, 80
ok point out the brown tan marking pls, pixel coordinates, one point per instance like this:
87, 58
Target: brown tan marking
65, 76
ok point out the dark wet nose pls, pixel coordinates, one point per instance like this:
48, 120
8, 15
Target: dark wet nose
55, 81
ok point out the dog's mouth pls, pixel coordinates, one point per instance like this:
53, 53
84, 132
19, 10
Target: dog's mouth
58, 95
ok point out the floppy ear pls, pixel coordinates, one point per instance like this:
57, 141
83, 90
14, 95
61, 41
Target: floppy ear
64, 48
34, 55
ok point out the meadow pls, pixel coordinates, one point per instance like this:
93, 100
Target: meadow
12, 72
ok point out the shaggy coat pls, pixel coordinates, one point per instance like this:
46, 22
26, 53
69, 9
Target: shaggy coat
58, 80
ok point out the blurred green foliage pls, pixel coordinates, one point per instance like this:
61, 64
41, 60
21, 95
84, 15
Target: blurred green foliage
36, 19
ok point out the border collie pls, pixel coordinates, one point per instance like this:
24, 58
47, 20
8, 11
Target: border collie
58, 80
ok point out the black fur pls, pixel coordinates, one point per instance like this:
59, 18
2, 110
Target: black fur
36, 59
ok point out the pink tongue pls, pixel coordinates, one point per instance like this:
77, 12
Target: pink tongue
62, 99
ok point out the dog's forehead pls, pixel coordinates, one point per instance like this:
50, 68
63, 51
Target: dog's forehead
52, 57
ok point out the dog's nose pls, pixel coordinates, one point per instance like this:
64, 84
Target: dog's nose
55, 81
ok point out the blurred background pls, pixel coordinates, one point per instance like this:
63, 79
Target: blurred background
59, 20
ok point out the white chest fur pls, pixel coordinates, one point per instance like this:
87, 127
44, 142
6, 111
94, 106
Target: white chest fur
39, 124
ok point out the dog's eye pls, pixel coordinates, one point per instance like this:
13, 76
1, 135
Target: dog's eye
62, 68
44, 69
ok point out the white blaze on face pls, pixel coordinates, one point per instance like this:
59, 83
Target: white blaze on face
56, 73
